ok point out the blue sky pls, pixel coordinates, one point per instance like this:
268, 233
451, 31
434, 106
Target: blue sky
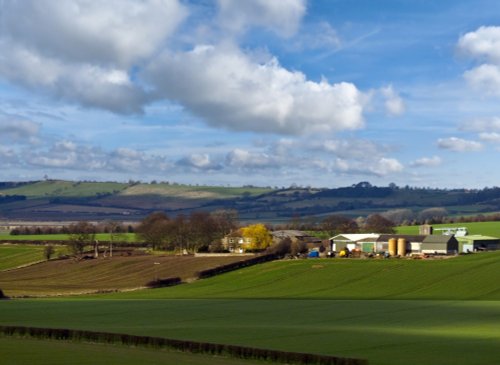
324, 93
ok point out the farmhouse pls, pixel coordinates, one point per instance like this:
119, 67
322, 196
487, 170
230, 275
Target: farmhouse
235, 241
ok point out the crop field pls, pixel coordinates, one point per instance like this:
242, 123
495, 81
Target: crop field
12, 256
484, 228
69, 276
391, 312
13, 351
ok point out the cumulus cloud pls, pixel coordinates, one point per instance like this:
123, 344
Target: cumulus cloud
17, 129
199, 161
385, 166
433, 161
244, 159
113, 32
84, 51
459, 144
394, 104
282, 17
230, 89
483, 45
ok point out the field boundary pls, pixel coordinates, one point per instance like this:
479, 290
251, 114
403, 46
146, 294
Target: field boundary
241, 352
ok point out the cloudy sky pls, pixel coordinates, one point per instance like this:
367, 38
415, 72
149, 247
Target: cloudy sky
324, 93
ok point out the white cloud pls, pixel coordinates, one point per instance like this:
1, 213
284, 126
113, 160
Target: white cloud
459, 144
199, 161
112, 32
282, 17
241, 158
485, 79
385, 166
483, 44
83, 51
493, 137
17, 129
482, 125
427, 162
394, 104
231, 90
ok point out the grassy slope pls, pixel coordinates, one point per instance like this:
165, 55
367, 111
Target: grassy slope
387, 332
466, 277
64, 189
484, 228
43, 352
69, 276
12, 256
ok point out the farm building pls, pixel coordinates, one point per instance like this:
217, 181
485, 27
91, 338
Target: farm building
478, 243
353, 241
440, 244
235, 241
408, 244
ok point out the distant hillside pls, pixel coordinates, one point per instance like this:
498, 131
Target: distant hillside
66, 200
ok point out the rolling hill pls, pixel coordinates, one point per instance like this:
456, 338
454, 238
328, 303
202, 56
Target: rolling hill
65, 200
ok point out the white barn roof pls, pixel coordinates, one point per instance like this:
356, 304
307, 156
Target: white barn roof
354, 237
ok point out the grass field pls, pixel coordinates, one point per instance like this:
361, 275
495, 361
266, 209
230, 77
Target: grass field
12, 256
126, 237
59, 188
484, 228
13, 351
467, 277
386, 332
118, 273
392, 312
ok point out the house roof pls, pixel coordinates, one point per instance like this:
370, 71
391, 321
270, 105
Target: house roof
477, 237
408, 237
439, 238
355, 237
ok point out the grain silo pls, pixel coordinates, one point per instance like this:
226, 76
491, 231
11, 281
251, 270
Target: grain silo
392, 247
402, 246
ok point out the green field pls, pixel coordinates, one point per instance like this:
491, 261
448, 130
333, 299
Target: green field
13, 351
12, 256
105, 237
390, 332
391, 312
59, 188
484, 228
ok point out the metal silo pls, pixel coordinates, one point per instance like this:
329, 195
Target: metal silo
401, 247
392, 246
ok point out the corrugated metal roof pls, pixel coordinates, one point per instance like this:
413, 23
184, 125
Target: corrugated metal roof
437, 238
354, 237
408, 237
477, 237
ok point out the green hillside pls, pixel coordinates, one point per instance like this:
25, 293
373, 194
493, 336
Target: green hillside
467, 277
59, 188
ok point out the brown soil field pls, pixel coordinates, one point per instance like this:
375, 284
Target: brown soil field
69, 276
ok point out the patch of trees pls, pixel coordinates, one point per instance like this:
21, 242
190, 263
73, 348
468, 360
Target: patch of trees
361, 190
192, 232
104, 227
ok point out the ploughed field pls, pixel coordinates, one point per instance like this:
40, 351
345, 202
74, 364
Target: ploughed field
72, 276
390, 312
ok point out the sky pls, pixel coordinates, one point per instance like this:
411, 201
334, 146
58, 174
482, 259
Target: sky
321, 93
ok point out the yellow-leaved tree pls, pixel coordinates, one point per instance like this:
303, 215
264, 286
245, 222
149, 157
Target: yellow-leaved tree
258, 235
